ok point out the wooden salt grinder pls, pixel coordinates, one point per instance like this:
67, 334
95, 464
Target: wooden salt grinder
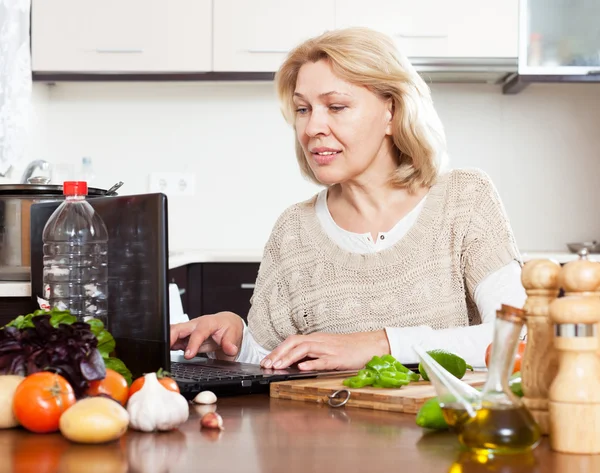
540, 360
574, 396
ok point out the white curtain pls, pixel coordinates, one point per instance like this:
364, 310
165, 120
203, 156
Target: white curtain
15, 81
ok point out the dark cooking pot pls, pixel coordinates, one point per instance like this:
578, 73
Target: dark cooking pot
15, 207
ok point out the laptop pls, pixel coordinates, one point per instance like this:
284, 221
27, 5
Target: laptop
138, 298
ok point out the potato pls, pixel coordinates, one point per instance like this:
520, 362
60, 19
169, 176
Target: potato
94, 420
8, 386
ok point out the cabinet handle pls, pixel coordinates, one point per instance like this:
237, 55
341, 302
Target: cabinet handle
119, 51
181, 292
421, 36
247, 286
267, 51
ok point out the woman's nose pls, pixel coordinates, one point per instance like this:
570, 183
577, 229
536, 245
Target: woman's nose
318, 123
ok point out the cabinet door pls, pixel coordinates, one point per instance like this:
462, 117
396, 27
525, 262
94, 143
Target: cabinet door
256, 35
228, 286
121, 35
438, 28
419, 28
484, 28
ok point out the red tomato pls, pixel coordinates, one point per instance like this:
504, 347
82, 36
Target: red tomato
167, 382
40, 400
113, 385
518, 357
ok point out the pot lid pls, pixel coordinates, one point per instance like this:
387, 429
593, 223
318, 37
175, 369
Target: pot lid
41, 189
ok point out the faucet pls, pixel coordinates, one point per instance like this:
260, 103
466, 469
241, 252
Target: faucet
37, 172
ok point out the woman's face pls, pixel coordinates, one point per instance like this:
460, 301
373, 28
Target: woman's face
344, 129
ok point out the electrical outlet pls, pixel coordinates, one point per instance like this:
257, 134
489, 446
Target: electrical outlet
172, 183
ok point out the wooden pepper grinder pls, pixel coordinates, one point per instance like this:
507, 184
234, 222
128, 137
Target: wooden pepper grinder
540, 360
574, 396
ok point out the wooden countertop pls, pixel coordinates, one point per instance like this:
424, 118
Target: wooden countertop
275, 436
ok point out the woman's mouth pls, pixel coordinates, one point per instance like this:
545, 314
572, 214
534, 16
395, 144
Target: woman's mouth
324, 156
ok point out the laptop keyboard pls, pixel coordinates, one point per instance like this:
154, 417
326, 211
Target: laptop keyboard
203, 373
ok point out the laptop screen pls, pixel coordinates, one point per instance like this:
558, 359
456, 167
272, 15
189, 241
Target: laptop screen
138, 296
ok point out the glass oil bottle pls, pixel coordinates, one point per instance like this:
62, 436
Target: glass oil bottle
501, 424
458, 400
492, 420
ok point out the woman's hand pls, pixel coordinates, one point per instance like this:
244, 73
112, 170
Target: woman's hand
221, 333
330, 351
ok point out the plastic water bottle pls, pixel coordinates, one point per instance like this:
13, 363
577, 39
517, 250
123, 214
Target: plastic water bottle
75, 257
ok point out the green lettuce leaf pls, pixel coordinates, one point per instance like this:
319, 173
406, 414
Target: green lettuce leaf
117, 365
106, 342
61, 318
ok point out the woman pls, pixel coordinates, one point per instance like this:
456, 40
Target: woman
393, 252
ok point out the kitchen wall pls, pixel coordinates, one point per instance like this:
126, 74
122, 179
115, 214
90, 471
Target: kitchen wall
541, 148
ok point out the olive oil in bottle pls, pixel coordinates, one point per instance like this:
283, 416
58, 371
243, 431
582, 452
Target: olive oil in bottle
504, 429
493, 420
501, 423
455, 415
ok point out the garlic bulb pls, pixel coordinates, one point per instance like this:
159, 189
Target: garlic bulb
155, 408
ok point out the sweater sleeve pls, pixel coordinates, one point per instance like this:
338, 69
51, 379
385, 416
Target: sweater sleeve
269, 319
488, 244
502, 286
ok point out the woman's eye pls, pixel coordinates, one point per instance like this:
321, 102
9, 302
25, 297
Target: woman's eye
301, 110
337, 108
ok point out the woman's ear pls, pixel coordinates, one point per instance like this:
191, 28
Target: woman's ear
389, 117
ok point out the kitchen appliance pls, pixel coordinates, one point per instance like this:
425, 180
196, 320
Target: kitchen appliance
15, 208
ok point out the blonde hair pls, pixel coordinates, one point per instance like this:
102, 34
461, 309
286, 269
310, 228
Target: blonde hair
368, 58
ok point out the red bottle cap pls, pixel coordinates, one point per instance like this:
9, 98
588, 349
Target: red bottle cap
75, 188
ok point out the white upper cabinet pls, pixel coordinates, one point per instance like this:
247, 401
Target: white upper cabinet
255, 35
484, 28
419, 27
121, 35
439, 28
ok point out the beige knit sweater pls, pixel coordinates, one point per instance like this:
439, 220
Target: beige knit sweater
306, 283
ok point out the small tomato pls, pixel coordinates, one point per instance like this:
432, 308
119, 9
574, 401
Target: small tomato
518, 357
40, 400
168, 383
113, 385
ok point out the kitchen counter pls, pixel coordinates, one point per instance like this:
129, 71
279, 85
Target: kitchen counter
274, 435
558, 256
15, 289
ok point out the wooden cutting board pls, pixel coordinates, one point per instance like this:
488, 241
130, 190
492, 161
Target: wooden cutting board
408, 399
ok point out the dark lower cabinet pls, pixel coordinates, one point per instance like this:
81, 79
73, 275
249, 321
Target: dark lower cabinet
12, 307
214, 287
